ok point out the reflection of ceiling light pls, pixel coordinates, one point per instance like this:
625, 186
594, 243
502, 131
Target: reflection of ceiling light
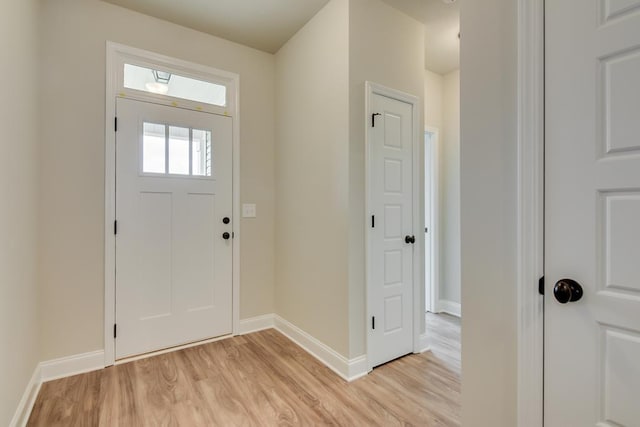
161, 76
156, 87
161, 83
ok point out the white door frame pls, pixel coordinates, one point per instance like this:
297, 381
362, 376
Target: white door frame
530, 215
418, 211
117, 54
434, 285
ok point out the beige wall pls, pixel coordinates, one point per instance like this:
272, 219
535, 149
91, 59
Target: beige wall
71, 164
19, 336
488, 205
312, 135
320, 178
450, 190
320, 86
74, 34
433, 101
385, 47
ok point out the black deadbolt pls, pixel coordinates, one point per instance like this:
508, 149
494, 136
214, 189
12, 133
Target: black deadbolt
226, 220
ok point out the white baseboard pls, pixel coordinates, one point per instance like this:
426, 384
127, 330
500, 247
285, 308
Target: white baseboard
449, 307
21, 416
348, 369
72, 365
358, 368
255, 324
51, 370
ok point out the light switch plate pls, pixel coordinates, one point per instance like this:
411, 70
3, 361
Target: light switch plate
248, 210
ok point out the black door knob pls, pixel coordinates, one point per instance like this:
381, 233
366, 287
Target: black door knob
567, 290
226, 235
226, 220
410, 239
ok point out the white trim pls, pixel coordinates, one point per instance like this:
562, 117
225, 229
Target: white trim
450, 307
114, 57
109, 208
435, 217
424, 343
418, 207
236, 214
130, 55
28, 400
348, 369
530, 305
418, 221
71, 365
255, 324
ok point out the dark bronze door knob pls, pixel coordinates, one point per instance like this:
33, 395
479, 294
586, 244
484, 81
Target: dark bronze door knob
567, 290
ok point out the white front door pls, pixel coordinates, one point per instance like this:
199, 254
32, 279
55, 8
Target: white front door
592, 218
173, 235
392, 231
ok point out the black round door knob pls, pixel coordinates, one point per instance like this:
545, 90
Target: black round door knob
226, 220
567, 290
410, 239
226, 235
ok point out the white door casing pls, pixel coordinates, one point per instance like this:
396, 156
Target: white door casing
391, 281
428, 229
116, 56
173, 267
592, 202
431, 217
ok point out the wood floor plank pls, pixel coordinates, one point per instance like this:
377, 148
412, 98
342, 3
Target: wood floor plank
261, 379
326, 399
249, 372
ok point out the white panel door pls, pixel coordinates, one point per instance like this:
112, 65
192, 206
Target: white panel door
173, 258
592, 233
391, 256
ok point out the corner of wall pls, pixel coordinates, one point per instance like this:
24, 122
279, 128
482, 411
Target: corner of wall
311, 175
488, 223
375, 31
20, 23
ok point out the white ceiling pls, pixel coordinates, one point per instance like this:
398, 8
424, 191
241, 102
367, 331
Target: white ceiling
268, 24
261, 24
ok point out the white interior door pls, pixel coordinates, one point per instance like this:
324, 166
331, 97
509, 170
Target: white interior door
173, 256
391, 249
592, 224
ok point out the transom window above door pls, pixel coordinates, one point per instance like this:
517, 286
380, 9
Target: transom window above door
162, 82
175, 150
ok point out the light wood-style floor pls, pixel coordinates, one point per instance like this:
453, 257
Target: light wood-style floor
261, 379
